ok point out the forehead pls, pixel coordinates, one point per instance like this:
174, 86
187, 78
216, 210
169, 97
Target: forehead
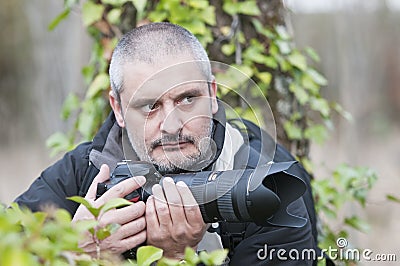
154, 80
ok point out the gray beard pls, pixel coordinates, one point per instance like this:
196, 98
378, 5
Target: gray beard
194, 162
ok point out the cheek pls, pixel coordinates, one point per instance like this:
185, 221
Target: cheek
150, 130
196, 126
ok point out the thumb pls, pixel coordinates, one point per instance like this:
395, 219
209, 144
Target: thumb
102, 176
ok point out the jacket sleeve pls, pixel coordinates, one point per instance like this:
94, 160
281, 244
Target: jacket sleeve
273, 245
57, 182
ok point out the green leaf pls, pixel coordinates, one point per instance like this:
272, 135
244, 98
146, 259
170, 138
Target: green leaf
312, 54
195, 26
199, 4
269, 61
53, 24
218, 256
88, 72
105, 232
94, 211
321, 105
265, 77
293, 131
318, 133
301, 95
284, 47
357, 223
282, 32
246, 70
346, 115
62, 216
298, 60
228, 49
191, 257
170, 262
100, 82
140, 5
208, 16
308, 165
393, 198
146, 255
114, 203
115, 2
158, 16
205, 258
91, 13
114, 16
308, 83
71, 104
317, 77
86, 225
102, 233
261, 29
247, 8
58, 142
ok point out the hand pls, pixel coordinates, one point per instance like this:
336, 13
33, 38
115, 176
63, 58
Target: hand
173, 219
131, 218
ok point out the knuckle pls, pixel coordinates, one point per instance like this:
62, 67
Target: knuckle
119, 190
163, 210
140, 225
179, 232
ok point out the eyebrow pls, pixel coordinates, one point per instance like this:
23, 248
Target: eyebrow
194, 92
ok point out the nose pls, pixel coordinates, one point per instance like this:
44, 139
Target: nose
172, 122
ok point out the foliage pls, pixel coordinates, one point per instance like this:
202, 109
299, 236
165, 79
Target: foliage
237, 33
50, 238
347, 185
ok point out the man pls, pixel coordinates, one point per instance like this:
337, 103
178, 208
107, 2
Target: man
164, 100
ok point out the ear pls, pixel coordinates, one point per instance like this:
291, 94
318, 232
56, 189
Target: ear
213, 92
116, 106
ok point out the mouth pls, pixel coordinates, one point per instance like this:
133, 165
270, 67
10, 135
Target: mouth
172, 146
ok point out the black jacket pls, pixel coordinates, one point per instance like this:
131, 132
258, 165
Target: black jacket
73, 174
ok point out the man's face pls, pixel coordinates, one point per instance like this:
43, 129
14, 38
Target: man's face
168, 111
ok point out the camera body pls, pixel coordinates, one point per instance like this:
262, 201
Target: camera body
125, 170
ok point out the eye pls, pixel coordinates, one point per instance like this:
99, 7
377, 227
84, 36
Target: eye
148, 108
186, 100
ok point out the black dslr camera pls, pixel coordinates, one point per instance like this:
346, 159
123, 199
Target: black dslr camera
259, 195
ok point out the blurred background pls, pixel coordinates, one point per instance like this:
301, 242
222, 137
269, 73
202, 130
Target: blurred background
359, 45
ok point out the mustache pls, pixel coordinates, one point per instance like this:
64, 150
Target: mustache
166, 139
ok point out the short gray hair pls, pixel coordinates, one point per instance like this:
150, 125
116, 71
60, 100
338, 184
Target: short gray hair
150, 42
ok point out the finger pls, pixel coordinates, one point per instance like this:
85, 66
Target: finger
161, 206
123, 215
115, 245
191, 208
132, 228
102, 176
134, 241
151, 214
123, 188
174, 201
